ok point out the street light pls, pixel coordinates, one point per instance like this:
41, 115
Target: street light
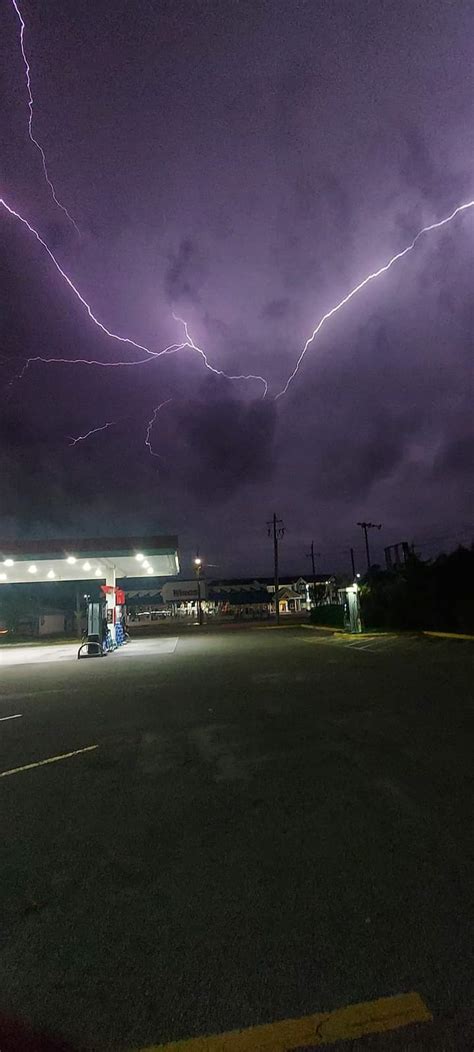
197, 571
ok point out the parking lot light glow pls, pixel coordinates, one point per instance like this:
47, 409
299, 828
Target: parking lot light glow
8, 562
32, 568
71, 559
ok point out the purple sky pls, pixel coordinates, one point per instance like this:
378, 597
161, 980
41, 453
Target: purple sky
244, 164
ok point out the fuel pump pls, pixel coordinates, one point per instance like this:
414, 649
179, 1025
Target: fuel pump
98, 641
100, 616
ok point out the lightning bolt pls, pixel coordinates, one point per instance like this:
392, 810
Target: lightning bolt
67, 279
151, 424
188, 341
93, 431
219, 372
371, 277
30, 119
172, 349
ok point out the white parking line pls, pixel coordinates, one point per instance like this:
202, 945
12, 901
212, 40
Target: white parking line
50, 759
17, 716
20, 696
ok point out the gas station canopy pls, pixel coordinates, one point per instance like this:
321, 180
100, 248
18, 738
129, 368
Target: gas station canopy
22, 562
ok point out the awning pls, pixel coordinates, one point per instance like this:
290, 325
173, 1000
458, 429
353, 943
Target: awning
85, 559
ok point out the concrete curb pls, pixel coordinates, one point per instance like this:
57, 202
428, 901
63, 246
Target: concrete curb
323, 628
394, 632
450, 635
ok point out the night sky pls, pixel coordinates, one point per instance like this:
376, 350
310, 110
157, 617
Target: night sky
243, 164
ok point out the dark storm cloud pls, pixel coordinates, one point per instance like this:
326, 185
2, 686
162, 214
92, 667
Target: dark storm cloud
274, 310
349, 464
451, 459
184, 273
364, 417
216, 448
251, 167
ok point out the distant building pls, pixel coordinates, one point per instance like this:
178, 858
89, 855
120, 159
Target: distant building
311, 591
47, 622
236, 597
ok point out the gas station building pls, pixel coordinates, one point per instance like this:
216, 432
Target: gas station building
102, 561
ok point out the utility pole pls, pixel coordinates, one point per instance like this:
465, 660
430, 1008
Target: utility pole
276, 529
353, 565
313, 556
369, 526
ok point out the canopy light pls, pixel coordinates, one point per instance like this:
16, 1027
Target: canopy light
33, 569
71, 559
139, 557
150, 569
87, 566
98, 572
51, 573
3, 576
8, 562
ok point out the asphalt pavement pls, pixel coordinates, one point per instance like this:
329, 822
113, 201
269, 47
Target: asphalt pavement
235, 828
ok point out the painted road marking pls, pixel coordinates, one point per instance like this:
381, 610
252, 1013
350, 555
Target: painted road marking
372, 644
364, 646
50, 759
17, 716
19, 696
324, 1028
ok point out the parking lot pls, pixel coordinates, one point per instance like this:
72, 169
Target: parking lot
234, 828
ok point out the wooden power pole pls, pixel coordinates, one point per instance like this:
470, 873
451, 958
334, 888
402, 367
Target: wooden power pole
276, 530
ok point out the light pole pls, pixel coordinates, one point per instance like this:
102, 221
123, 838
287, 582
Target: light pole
197, 570
369, 526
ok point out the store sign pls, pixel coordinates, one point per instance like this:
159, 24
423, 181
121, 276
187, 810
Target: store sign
183, 591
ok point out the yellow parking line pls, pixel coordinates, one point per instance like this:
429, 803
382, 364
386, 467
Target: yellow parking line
324, 1028
50, 759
